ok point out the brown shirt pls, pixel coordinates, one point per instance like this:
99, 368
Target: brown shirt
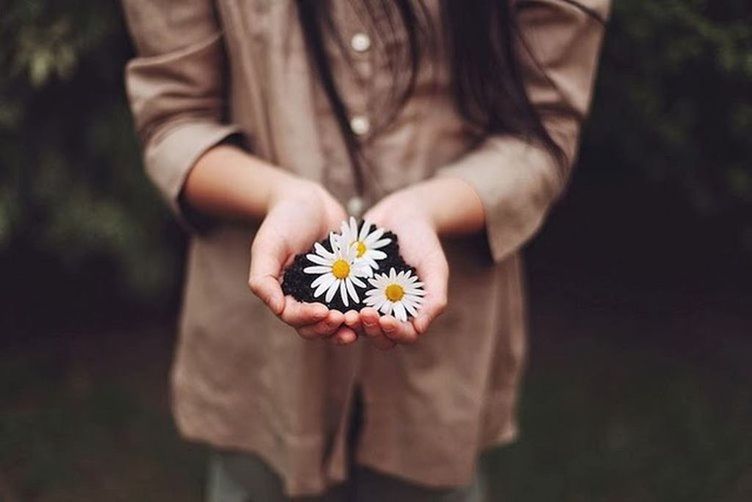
242, 379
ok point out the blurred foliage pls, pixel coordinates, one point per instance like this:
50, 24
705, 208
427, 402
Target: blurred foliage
672, 104
674, 98
71, 189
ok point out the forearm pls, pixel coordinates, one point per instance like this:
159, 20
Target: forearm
228, 182
452, 205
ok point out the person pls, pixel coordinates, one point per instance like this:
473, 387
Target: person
265, 124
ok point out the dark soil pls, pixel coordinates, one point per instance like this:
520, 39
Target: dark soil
298, 284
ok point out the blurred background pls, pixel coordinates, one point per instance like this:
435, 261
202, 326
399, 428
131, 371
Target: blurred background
640, 379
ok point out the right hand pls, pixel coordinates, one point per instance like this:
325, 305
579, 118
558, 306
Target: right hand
300, 212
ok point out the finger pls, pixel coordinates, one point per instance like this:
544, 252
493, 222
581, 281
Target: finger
369, 319
298, 314
324, 328
267, 288
266, 265
343, 336
352, 321
430, 311
436, 278
400, 332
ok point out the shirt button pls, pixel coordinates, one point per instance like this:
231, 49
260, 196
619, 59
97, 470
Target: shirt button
360, 42
355, 206
360, 125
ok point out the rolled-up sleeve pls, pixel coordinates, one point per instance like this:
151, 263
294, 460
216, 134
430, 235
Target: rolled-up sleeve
176, 88
518, 180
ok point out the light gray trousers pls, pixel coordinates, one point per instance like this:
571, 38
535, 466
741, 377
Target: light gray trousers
243, 477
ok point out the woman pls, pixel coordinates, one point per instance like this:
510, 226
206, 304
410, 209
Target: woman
453, 124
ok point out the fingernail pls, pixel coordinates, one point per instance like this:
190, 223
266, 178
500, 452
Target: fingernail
320, 311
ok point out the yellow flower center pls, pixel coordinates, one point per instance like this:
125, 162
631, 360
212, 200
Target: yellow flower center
361, 248
394, 292
340, 269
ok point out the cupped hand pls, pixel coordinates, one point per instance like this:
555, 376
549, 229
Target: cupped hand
408, 214
299, 213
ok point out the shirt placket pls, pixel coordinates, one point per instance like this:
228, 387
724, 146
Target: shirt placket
353, 73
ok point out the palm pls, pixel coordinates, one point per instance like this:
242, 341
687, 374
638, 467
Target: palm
421, 248
294, 224
295, 221
419, 245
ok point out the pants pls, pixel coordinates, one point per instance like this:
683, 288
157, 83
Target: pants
243, 477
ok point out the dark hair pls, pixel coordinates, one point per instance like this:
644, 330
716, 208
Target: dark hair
481, 38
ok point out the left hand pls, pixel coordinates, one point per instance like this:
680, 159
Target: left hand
408, 214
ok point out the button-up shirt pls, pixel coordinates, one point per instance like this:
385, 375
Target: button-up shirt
210, 69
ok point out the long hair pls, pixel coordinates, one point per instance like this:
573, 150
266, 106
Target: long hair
481, 46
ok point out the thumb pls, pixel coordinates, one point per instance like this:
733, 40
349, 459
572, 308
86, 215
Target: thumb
267, 260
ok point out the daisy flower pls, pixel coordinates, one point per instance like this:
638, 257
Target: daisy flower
365, 242
337, 270
396, 293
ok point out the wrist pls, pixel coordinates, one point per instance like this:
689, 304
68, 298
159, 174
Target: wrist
429, 198
451, 205
284, 185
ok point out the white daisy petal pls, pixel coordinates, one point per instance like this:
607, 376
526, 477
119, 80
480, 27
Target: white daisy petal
361, 270
318, 269
370, 262
351, 290
334, 242
410, 308
322, 251
348, 253
326, 283
414, 291
386, 308
375, 236
332, 289
321, 279
374, 290
358, 282
361, 235
343, 292
375, 254
380, 244
379, 303
319, 260
399, 311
